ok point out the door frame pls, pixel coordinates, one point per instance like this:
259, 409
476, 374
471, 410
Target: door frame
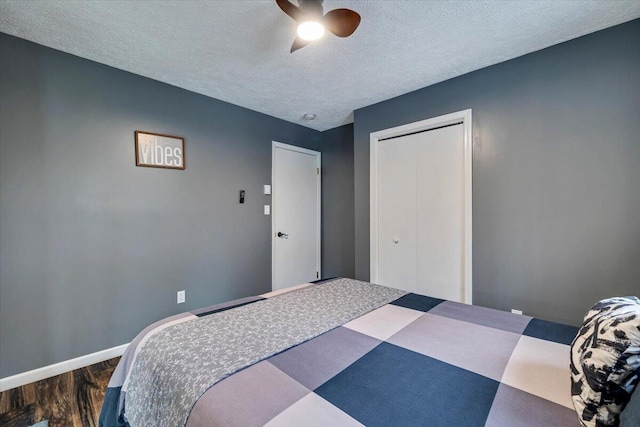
274, 209
463, 117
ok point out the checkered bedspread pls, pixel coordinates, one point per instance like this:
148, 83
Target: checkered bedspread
416, 361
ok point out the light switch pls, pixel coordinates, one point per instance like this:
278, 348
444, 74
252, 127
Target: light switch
267, 189
267, 209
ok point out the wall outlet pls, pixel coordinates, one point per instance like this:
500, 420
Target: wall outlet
514, 311
181, 297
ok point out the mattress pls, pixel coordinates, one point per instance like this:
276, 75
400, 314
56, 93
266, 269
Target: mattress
347, 353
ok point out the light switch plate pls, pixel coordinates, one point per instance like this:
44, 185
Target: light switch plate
267, 209
181, 297
267, 189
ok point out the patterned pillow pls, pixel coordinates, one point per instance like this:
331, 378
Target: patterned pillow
605, 358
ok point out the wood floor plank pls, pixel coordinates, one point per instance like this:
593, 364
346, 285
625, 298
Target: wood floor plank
17, 398
55, 398
73, 399
87, 392
20, 417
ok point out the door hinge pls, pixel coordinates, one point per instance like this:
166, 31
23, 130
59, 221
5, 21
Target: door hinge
317, 274
317, 171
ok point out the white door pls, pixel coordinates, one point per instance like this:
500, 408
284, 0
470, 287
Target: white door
296, 215
440, 218
421, 215
397, 214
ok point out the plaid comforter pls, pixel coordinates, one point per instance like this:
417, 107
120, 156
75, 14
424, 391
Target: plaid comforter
414, 361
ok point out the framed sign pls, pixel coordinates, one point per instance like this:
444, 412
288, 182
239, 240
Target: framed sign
156, 150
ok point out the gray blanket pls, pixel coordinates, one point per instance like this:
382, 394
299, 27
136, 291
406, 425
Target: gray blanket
178, 364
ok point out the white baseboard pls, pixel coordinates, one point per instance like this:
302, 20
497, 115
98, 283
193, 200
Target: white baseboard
60, 368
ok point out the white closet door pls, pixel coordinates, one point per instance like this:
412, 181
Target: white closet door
440, 212
421, 213
397, 213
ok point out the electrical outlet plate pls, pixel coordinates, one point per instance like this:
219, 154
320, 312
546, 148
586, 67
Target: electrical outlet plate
514, 311
181, 297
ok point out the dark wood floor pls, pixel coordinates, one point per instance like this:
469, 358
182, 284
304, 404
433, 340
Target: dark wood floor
72, 399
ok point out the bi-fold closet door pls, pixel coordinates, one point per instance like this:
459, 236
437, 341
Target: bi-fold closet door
421, 212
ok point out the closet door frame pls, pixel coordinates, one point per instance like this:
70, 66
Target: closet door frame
463, 117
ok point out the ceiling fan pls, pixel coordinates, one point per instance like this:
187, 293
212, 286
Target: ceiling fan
312, 21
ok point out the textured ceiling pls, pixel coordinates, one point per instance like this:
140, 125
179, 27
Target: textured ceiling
238, 51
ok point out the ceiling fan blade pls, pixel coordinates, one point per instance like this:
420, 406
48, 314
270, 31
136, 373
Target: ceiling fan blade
290, 9
298, 43
341, 22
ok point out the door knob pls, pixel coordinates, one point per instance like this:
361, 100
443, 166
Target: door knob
282, 235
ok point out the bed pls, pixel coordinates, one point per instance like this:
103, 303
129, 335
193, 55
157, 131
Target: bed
344, 353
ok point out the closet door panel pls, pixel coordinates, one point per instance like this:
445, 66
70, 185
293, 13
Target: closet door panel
440, 212
397, 213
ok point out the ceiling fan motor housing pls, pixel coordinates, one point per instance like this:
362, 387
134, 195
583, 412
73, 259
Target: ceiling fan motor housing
311, 7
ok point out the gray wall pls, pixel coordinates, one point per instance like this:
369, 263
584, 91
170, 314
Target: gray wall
556, 172
337, 202
93, 248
